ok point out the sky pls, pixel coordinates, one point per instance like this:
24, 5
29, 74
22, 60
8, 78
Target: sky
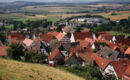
50, 0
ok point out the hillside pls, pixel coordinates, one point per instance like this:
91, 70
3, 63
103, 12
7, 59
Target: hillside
14, 70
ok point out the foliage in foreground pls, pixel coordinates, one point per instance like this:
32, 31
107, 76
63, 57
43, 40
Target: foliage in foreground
89, 72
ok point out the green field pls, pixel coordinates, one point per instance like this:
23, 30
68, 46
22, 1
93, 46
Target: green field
118, 33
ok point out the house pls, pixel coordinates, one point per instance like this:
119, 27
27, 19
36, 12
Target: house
124, 41
53, 33
1, 43
80, 36
105, 36
72, 59
16, 36
28, 43
68, 29
84, 43
108, 53
127, 52
3, 51
60, 36
118, 69
87, 57
101, 62
48, 39
57, 56
126, 75
115, 46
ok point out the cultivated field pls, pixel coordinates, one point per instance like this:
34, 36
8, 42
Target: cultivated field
14, 70
119, 15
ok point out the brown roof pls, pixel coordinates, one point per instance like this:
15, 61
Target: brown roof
124, 41
115, 46
83, 43
102, 62
46, 37
82, 35
16, 36
54, 53
53, 33
120, 67
3, 50
105, 36
109, 53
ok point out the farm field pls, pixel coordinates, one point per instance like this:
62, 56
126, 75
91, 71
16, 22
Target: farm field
119, 15
14, 70
55, 12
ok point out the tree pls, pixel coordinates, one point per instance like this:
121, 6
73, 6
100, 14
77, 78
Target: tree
15, 51
2, 37
32, 56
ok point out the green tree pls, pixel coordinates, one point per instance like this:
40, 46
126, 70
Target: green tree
2, 37
15, 51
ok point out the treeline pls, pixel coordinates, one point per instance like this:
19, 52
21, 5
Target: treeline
29, 24
86, 16
122, 26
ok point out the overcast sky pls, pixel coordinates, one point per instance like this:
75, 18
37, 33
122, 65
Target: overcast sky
48, 0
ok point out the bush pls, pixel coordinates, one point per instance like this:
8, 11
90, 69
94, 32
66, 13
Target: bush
15, 51
31, 56
89, 72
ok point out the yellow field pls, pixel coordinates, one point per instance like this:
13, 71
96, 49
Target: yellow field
120, 15
14, 70
36, 16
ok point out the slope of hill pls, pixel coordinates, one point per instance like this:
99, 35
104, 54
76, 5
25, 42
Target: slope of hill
14, 70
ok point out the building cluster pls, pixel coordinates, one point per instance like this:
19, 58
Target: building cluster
104, 50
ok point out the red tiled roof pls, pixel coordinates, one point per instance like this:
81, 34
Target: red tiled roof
1, 43
82, 35
16, 36
124, 41
127, 52
102, 62
54, 53
60, 36
3, 51
105, 36
70, 55
120, 67
75, 49
127, 72
53, 33
47, 37
83, 43
115, 46
15, 41
87, 57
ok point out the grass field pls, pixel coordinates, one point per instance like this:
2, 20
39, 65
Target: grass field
14, 70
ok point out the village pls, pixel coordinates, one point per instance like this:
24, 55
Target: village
109, 53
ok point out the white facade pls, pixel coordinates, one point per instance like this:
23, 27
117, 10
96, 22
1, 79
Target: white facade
72, 38
110, 70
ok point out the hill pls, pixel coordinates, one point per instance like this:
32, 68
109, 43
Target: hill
14, 70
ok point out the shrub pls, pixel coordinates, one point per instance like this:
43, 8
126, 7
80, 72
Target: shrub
15, 51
